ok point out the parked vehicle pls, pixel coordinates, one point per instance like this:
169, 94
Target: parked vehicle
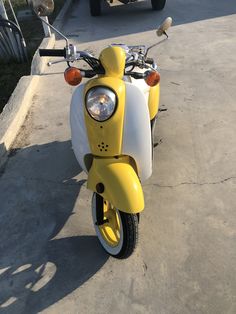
112, 120
96, 5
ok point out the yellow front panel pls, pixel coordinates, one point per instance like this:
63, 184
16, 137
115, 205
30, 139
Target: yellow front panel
105, 138
113, 61
122, 186
153, 101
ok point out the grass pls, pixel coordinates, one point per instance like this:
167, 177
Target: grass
33, 33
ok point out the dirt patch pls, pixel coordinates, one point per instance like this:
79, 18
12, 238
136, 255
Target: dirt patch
23, 137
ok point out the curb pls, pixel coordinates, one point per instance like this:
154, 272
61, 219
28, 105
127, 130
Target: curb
58, 23
16, 110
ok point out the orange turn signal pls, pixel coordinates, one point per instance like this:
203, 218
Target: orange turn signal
152, 78
73, 76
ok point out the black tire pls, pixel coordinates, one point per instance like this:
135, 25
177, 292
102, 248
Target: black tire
95, 7
153, 124
130, 228
158, 5
128, 231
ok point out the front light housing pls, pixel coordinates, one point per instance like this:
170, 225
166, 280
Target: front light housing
101, 103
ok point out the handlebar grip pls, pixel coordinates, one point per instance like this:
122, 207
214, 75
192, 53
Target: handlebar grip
149, 60
52, 53
137, 75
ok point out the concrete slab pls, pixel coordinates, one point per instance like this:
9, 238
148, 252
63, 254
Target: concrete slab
50, 260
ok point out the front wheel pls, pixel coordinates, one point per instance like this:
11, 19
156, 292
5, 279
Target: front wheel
95, 7
158, 4
118, 234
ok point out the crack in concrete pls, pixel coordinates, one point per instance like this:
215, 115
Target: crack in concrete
81, 182
194, 183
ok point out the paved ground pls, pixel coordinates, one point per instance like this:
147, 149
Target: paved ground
50, 260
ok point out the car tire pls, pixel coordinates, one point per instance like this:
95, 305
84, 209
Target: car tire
158, 5
95, 7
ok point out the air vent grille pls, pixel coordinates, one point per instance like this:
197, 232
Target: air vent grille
103, 147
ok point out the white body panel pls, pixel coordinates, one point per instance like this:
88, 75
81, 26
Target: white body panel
137, 141
141, 84
136, 134
79, 136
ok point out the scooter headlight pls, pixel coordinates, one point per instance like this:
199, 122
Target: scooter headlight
100, 103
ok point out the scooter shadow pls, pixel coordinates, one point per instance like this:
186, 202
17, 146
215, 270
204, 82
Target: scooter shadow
63, 266
39, 188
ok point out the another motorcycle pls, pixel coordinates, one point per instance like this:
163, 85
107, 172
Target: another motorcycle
112, 120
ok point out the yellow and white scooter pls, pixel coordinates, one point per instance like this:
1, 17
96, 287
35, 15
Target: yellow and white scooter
112, 117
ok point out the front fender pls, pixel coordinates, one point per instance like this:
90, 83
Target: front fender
121, 184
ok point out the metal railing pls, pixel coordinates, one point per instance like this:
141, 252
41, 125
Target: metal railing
12, 43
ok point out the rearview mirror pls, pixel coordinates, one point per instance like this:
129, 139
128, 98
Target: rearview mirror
42, 7
164, 26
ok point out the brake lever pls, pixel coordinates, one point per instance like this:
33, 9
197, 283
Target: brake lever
50, 63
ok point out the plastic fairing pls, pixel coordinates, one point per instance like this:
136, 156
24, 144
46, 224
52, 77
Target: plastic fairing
136, 133
137, 141
79, 136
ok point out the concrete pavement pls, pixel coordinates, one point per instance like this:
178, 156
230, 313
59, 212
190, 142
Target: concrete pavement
50, 259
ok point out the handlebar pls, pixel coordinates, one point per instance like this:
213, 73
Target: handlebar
149, 60
94, 63
52, 53
136, 75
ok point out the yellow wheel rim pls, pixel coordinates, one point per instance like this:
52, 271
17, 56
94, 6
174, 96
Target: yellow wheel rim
110, 230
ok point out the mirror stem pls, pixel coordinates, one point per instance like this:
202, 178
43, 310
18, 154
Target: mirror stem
55, 30
156, 44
